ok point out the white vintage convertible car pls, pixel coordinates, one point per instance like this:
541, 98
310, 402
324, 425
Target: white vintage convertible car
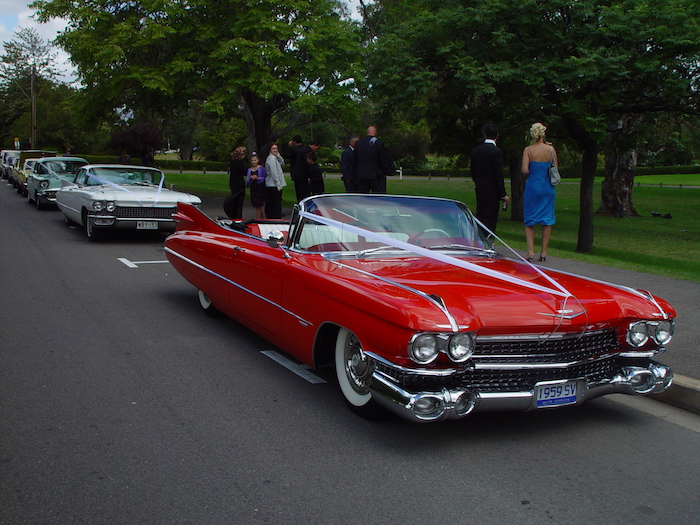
108, 196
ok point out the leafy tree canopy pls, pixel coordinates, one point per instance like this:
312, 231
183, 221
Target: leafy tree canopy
237, 58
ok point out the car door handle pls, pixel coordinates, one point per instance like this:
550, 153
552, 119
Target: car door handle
237, 249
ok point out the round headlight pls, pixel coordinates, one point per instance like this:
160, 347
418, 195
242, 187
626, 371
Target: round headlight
637, 334
97, 205
424, 348
44, 184
461, 347
663, 332
110, 206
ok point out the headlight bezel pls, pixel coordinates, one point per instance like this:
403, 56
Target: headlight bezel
639, 333
425, 347
104, 206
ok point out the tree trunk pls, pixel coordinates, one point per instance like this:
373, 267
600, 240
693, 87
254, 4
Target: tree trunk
585, 222
620, 164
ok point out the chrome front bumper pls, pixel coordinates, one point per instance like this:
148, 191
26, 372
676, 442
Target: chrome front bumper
455, 403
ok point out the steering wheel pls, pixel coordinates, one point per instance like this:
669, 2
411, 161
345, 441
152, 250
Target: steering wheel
438, 231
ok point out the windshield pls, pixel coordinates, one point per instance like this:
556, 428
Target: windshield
340, 223
64, 167
122, 175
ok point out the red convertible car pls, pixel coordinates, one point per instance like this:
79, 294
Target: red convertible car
409, 302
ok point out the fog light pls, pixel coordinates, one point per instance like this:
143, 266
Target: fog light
464, 404
640, 379
428, 407
664, 375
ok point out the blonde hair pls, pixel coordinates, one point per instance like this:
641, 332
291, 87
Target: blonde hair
537, 131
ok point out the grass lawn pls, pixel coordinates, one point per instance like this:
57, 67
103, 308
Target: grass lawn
668, 247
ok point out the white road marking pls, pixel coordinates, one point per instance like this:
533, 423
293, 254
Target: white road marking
135, 264
298, 369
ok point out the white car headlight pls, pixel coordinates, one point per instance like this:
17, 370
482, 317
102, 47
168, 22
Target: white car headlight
110, 206
98, 205
663, 332
461, 347
423, 348
637, 334
44, 184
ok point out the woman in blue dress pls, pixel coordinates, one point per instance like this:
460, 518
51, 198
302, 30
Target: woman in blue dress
538, 198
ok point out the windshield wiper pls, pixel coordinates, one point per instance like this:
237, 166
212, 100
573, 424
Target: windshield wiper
361, 254
464, 247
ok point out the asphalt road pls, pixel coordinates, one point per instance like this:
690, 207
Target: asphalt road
122, 403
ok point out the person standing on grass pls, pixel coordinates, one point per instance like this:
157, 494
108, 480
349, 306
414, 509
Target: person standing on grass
346, 165
233, 205
487, 172
256, 182
274, 182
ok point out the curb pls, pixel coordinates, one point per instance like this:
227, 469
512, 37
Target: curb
683, 393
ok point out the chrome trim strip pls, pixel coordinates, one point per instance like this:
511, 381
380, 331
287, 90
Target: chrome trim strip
538, 337
538, 366
303, 321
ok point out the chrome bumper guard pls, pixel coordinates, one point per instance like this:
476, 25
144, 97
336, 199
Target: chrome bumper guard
456, 403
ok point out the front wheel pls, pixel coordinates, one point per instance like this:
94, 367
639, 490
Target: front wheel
354, 369
94, 234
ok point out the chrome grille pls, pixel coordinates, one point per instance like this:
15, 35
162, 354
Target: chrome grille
144, 212
554, 349
592, 356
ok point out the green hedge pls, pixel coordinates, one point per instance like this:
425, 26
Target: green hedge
170, 165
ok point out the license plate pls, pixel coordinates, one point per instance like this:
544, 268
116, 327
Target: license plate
556, 394
146, 225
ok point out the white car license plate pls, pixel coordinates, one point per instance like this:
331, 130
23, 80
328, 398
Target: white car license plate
146, 225
556, 394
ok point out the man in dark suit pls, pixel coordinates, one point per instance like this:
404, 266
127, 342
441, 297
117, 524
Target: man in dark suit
346, 165
487, 172
298, 167
371, 163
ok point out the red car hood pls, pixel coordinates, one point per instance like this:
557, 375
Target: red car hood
499, 305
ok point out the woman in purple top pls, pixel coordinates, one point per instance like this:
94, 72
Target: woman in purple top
256, 181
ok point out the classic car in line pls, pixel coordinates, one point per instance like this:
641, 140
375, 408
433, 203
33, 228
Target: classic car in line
409, 302
22, 167
107, 196
47, 178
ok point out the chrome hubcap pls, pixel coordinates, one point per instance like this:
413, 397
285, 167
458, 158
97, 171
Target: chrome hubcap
358, 367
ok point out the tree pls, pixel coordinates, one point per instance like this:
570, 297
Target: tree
27, 60
28, 54
257, 61
578, 65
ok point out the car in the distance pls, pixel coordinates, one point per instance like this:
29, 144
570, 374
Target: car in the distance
415, 311
103, 197
47, 176
18, 176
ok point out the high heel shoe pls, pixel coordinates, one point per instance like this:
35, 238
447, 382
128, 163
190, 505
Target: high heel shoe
529, 259
543, 258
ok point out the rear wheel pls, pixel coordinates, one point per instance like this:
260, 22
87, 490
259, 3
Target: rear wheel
354, 369
207, 305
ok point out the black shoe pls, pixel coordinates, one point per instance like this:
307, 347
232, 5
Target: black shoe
543, 258
667, 216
